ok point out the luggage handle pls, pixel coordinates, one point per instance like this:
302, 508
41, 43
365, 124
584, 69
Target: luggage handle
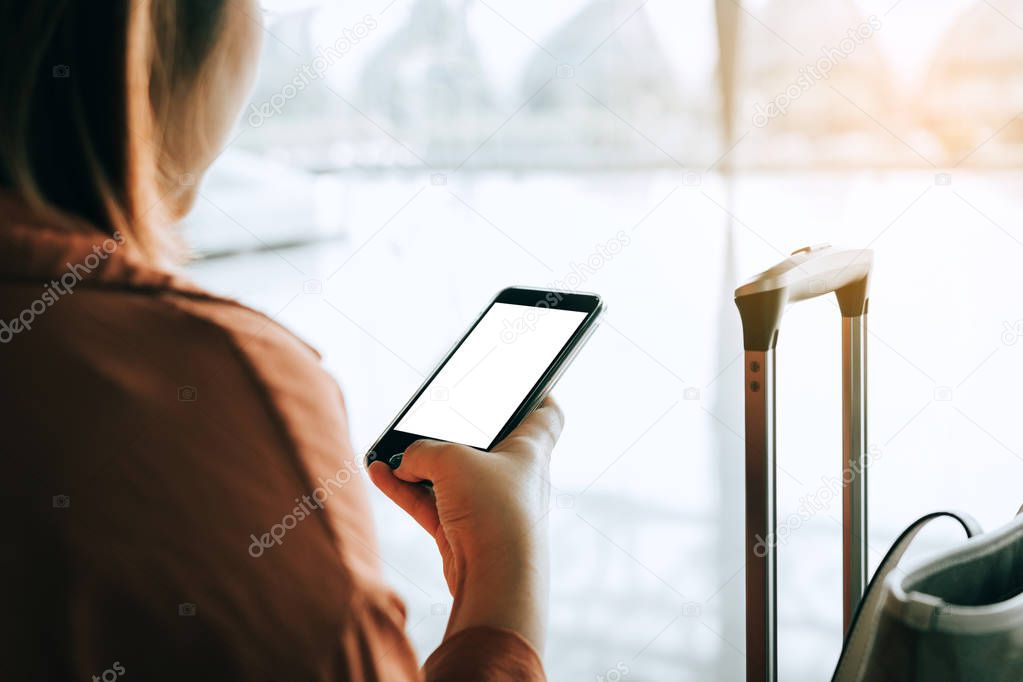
809, 272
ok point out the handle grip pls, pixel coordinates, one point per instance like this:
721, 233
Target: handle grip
809, 272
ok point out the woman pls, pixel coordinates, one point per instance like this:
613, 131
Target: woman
155, 434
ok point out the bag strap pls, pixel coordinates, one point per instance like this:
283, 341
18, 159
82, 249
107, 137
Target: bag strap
868, 611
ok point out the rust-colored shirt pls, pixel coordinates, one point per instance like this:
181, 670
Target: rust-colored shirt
179, 491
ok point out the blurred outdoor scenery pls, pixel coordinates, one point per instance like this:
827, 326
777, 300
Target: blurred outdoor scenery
403, 160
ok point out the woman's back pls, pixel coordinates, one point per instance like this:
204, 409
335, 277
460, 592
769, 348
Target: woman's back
164, 440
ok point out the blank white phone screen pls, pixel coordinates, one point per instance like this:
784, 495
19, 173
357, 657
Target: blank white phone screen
480, 386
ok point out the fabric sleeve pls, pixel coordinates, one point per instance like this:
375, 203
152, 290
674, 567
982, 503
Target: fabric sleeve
485, 655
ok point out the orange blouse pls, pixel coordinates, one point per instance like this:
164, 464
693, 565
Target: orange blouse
181, 495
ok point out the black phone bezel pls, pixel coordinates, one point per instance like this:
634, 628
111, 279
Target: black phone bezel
393, 442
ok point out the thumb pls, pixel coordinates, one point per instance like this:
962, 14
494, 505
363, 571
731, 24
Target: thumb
422, 461
542, 427
415, 500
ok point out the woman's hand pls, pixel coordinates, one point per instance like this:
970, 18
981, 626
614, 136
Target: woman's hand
487, 512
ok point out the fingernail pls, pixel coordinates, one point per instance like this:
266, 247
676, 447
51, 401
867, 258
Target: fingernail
395, 460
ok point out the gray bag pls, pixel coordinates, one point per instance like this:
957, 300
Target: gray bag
956, 616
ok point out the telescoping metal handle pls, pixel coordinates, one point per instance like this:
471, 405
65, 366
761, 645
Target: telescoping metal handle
808, 272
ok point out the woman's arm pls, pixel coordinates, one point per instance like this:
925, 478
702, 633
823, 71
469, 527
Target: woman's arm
487, 512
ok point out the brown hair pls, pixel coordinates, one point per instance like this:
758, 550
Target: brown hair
89, 91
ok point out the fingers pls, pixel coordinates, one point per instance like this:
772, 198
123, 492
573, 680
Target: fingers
421, 461
415, 500
555, 413
543, 427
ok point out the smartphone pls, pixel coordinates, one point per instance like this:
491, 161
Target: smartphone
497, 373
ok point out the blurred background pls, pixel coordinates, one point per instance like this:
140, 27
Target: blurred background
402, 160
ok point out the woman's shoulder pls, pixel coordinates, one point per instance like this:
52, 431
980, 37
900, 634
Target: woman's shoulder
166, 357
90, 328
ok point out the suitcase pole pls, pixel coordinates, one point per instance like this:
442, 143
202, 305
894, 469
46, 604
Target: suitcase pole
808, 272
854, 464
761, 521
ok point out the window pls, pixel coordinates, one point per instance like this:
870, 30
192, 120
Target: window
400, 162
